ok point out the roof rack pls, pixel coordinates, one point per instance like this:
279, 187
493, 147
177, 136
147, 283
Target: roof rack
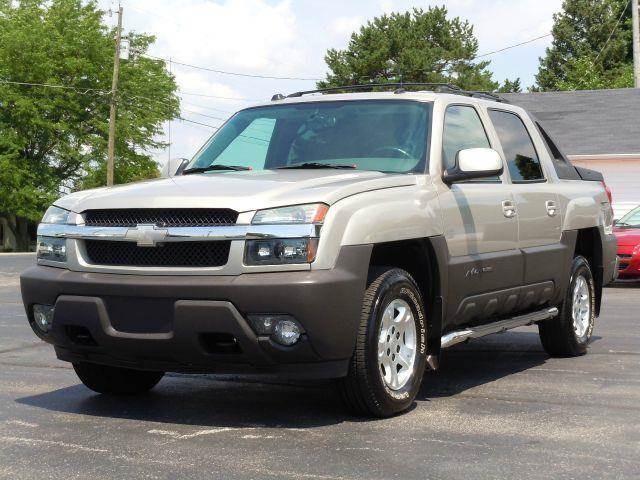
399, 88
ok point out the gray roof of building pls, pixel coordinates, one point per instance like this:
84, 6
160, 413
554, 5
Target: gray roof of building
588, 122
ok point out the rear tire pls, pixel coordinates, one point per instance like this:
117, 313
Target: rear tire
116, 380
388, 363
569, 333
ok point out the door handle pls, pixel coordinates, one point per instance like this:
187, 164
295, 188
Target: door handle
552, 209
509, 209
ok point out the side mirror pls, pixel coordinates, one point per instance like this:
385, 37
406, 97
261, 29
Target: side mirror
474, 163
615, 220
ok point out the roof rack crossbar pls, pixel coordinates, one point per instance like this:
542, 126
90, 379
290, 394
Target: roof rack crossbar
400, 88
447, 86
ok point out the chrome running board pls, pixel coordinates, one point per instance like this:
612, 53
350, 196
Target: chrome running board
503, 325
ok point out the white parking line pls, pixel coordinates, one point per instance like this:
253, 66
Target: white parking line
180, 436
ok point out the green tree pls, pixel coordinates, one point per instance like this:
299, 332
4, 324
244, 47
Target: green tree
416, 46
590, 50
54, 139
510, 86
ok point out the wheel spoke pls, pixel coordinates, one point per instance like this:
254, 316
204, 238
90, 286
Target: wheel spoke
402, 361
394, 377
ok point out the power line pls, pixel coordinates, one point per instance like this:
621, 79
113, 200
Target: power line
512, 46
84, 91
238, 99
235, 74
204, 115
205, 107
614, 30
198, 123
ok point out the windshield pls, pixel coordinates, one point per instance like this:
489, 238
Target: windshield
630, 220
384, 135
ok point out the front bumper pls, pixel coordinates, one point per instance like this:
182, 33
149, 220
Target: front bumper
170, 323
629, 262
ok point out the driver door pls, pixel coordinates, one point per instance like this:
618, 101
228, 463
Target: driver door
480, 228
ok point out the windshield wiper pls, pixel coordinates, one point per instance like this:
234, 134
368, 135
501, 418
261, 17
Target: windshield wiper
318, 165
236, 168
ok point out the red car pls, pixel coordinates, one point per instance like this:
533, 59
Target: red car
627, 231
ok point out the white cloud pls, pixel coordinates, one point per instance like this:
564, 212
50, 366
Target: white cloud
240, 35
386, 6
343, 27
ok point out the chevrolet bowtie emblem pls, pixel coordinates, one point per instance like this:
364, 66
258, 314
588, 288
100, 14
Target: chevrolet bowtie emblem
146, 235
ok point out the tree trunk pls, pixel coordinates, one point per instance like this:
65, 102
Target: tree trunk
19, 230
23, 240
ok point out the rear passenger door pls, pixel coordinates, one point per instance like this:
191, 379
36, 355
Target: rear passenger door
537, 204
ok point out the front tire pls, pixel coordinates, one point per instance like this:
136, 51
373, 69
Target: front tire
116, 380
389, 360
568, 334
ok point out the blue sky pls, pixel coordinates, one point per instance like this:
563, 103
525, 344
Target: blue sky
290, 37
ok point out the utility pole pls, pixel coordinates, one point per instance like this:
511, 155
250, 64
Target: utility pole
169, 146
112, 113
635, 19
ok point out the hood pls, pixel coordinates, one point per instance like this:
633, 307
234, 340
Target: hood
239, 191
627, 237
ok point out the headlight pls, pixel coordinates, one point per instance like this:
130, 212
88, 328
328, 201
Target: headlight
280, 251
56, 215
310, 213
51, 248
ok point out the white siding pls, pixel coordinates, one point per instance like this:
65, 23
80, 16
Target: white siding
621, 175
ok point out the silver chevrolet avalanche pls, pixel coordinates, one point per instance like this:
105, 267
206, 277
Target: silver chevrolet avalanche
346, 236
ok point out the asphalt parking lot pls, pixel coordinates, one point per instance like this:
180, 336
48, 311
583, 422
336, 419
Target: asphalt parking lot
499, 408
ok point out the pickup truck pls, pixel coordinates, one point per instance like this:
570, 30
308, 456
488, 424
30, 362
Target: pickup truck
348, 236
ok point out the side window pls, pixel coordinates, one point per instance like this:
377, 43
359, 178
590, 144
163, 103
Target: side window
462, 129
522, 158
563, 167
249, 149
554, 151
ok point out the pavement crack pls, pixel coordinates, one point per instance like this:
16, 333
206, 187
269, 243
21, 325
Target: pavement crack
24, 347
53, 443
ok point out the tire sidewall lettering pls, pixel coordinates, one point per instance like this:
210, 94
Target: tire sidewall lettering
404, 291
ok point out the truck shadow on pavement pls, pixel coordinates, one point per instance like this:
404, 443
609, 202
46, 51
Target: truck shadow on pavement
483, 361
241, 402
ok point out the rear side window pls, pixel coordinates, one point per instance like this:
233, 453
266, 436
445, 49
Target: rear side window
563, 167
522, 158
462, 129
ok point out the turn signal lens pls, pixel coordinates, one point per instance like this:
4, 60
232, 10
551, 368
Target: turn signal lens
56, 215
296, 214
50, 248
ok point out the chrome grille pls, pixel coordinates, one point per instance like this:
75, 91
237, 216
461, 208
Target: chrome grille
174, 254
175, 217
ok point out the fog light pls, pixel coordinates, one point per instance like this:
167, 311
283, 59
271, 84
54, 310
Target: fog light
43, 317
283, 329
286, 332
